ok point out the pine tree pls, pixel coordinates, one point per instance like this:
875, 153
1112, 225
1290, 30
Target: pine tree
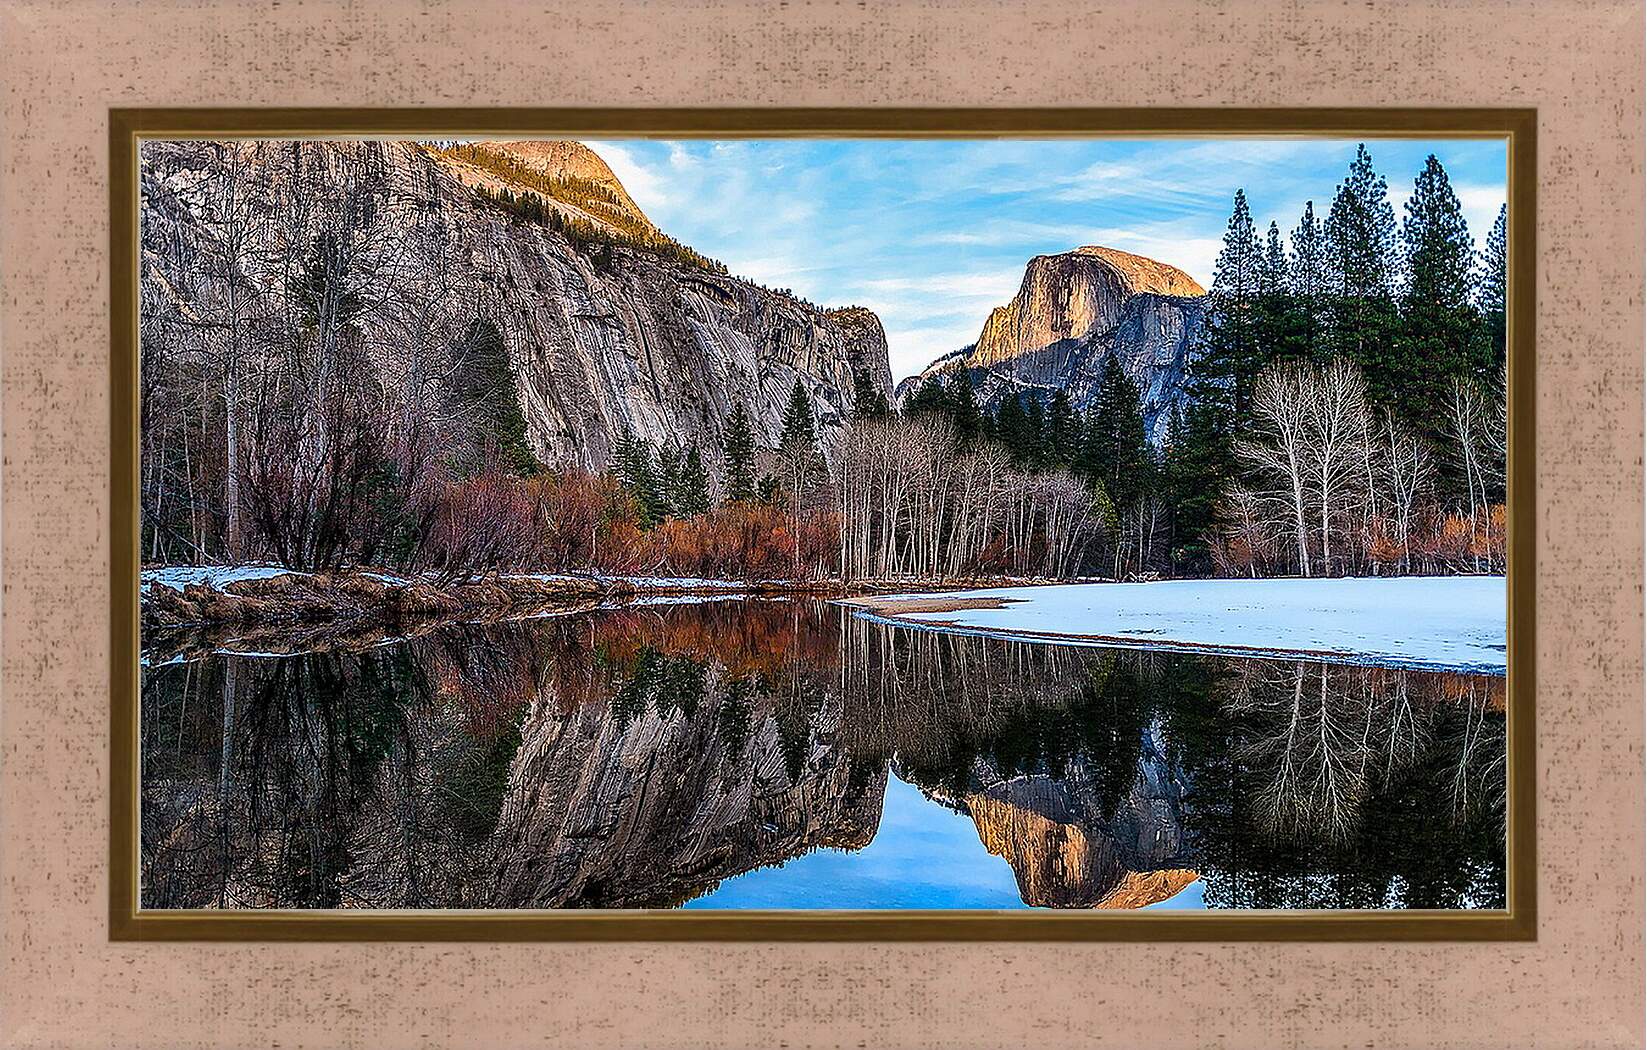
738, 450
929, 397
485, 386
1035, 442
1116, 450
798, 447
1307, 282
1492, 294
799, 431
1279, 328
1009, 428
1361, 276
867, 401
691, 495
632, 464
1062, 431
666, 482
1230, 356
964, 408
1198, 467
1439, 325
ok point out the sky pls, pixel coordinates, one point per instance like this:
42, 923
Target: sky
932, 235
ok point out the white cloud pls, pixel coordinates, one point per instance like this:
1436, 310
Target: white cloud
911, 349
643, 184
1480, 204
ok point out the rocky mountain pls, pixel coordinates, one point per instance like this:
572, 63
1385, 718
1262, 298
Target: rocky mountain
609, 324
1070, 849
1072, 312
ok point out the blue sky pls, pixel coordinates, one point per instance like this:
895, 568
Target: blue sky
932, 234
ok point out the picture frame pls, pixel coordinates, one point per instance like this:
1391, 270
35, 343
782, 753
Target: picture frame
127, 127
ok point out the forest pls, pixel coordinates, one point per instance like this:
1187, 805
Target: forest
1344, 415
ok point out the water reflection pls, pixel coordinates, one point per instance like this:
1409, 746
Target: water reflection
639, 757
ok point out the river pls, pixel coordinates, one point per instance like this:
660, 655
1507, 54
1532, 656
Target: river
786, 753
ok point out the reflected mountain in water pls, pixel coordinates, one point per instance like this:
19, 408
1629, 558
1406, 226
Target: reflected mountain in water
638, 757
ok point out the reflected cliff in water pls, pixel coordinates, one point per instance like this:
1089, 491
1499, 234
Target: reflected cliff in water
744, 752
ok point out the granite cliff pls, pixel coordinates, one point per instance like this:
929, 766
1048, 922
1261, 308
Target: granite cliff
619, 329
1072, 312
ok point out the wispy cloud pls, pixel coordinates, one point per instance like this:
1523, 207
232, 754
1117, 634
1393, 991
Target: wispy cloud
933, 234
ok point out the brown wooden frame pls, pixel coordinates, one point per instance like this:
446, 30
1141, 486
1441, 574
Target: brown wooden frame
1518, 127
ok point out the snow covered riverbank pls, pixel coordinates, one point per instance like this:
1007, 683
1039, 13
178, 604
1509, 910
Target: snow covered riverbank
1442, 623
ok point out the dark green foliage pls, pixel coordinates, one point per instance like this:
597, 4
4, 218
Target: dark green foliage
1019, 427
1062, 431
1361, 272
632, 463
929, 397
1230, 355
484, 383
1491, 293
738, 450
1280, 318
1439, 325
1197, 467
964, 411
1307, 283
800, 433
324, 286
1116, 449
867, 400
691, 488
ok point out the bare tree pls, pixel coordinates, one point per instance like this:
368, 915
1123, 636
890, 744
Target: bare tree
1279, 450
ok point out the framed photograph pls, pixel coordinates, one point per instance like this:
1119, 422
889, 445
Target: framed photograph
822, 524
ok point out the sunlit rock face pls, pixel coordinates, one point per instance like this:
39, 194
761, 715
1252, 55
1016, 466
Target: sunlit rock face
1069, 848
1072, 312
602, 337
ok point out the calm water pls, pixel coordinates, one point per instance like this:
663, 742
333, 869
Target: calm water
785, 754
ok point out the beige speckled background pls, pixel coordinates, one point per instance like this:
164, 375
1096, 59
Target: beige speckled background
63, 64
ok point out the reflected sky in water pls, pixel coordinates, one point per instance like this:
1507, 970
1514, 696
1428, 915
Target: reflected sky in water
787, 754
924, 856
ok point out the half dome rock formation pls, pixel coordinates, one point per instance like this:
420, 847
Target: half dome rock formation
1072, 312
1071, 844
609, 325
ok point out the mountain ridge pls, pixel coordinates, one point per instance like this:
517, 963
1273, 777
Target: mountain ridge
1073, 310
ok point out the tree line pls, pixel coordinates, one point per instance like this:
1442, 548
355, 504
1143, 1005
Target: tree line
1344, 411
321, 390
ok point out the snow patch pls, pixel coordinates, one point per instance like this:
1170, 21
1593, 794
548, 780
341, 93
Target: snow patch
1427, 622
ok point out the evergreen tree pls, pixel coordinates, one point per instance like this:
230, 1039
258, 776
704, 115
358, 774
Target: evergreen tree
666, 482
799, 431
738, 450
632, 463
1010, 428
1279, 328
1439, 329
1198, 466
691, 495
1361, 276
1492, 293
1062, 431
484, 385
1035, 442
867, 401
1230, 356
930, 396
1116, 451
1307, 281
964, 408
